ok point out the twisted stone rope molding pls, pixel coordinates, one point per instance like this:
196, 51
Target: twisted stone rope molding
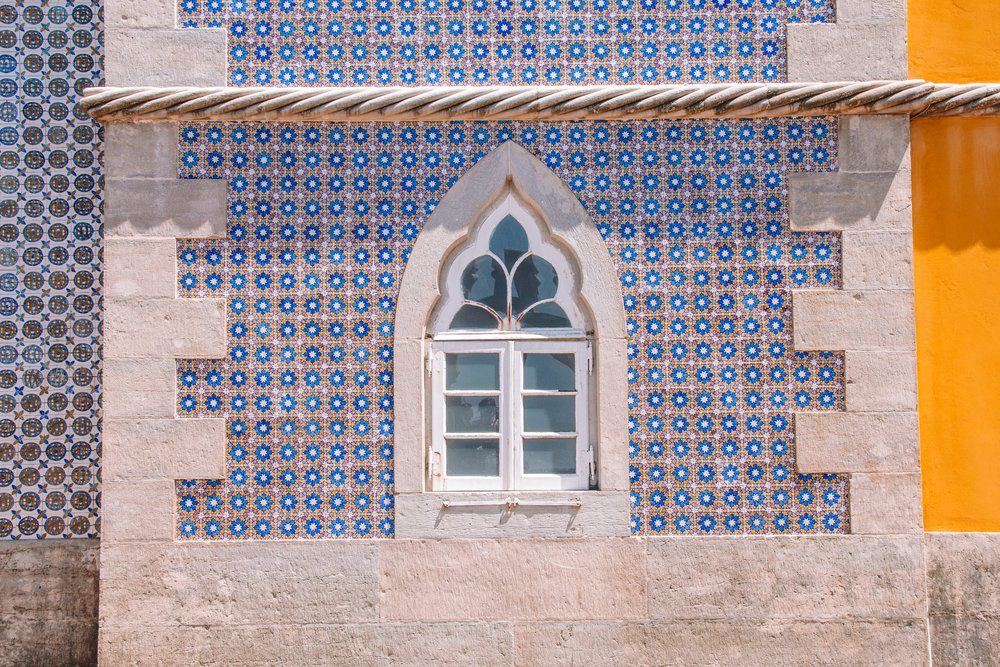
725, 100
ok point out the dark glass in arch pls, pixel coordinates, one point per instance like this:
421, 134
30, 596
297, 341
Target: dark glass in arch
509, 241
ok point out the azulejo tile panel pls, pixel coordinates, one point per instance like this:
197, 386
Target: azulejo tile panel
321, 220
50, 198
502, 42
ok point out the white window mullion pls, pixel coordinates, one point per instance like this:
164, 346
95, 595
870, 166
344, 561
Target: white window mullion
516, 418
435, 365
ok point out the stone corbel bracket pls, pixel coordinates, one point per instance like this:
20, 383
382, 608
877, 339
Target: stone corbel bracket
871, 318
146, 328
868, 41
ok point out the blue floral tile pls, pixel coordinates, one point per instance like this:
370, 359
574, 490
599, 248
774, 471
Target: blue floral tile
321, 221
502, 42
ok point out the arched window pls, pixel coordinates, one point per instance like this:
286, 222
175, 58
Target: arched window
510, 363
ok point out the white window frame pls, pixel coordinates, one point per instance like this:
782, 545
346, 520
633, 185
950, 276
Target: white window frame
511, 349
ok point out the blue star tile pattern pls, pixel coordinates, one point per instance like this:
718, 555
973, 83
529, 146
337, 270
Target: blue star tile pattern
502, 42
322, 218
50, 198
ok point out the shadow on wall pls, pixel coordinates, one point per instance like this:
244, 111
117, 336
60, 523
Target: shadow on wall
956, 177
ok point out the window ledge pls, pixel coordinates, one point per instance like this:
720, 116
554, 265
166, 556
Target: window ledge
493, 514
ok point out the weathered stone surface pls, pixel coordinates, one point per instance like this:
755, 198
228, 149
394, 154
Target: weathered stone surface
48, 602
963, 573
137, 388
408, 391
570, 578
137, 510
165, 328
846, 51
886, 503
785, 577
872, 143
602, 514
857, 442
877, 260
871, 12
963, 589
164, 448
388, 644
700, 642
821, 202
139, 14
833, 201
840, 320
227, 584
140, 268
164, 57
140, 150
964, 639
880, 381
165, 208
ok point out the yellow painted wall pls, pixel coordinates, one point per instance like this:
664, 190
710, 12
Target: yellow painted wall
956, 226
956, 237
954, 41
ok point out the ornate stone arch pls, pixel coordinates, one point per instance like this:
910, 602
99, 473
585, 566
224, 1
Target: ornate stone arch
510, 170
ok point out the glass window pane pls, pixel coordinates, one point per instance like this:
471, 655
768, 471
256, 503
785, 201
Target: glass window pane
545, 316
550, 456
472, 414
468, 457
472, 371
485, 281
474, 317
550, 372
545, 414
508, 241
535, 280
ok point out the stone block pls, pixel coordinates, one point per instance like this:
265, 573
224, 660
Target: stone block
880, 381
165, 328
726, 642
382, 645
791, 578
871, 12
611, 404
408, 391
164, 449
963, 573
136, 511
857, 442
226, 584
846, 51
139, 388
872, 143
877, 260
602, 514
568, 578
42, 581
165, 208
886, 503
164, 57
140, 14
834, 201
964, 640
140, 150
144, 268
856, 320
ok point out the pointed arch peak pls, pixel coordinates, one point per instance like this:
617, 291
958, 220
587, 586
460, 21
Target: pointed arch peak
510, 170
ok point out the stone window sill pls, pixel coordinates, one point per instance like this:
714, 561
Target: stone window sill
495, 514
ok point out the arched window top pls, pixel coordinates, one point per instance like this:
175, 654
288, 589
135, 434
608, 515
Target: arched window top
508, 277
